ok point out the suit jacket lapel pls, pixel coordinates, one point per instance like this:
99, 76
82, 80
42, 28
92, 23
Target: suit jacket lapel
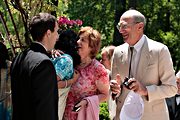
177, 110
143, 61
125, 61
173, 101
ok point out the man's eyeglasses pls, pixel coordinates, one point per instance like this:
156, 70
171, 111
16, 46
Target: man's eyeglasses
125, 26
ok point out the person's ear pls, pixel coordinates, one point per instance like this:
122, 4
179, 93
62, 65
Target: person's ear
48, 33
140, 26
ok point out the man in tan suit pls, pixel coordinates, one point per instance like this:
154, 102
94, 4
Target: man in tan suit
151, 74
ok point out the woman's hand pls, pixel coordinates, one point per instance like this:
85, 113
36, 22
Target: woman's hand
82, 103
64, 84
56, 53
74, 79
75, 76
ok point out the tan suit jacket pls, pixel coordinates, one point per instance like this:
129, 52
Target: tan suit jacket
155, 71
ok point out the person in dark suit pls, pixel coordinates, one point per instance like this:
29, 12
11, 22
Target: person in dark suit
33, 76
173, 103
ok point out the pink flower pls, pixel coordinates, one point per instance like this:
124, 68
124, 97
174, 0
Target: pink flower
65, 23
62, 20
74, 22
71, 22
79, 22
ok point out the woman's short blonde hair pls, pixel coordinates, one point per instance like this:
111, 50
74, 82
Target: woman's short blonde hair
94, 39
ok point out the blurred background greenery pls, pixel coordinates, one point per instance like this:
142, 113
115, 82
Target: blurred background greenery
163, 22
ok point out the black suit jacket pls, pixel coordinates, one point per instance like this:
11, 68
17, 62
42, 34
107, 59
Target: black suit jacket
174, 110
34, 85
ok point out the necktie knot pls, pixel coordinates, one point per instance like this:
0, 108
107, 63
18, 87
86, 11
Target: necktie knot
131, 48
177, 95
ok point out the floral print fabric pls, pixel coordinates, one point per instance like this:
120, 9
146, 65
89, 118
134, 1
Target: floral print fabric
64, 66
85, 86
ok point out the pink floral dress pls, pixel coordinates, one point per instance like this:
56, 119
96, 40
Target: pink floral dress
85, 86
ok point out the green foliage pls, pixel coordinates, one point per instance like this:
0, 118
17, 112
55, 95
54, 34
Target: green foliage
162, 15
104, 114
163, 24
98, 56
163, 21
170, 39
98, 14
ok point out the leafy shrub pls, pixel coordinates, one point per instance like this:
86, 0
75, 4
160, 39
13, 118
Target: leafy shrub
104, 114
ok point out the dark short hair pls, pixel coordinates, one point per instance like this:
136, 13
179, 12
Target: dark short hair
39, 25
94, 39
67, 42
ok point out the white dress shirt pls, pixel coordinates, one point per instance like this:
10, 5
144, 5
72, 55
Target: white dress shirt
136, 56
178, 100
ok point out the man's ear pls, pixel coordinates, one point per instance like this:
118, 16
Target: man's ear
141, 26
48, 33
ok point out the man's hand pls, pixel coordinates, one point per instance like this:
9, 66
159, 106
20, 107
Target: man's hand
115, 86
137, 87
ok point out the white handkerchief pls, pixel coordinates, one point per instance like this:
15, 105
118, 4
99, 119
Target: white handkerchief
133, 107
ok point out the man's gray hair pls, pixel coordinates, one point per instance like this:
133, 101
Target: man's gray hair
136, 15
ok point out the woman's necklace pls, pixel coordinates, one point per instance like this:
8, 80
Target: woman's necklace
85, 63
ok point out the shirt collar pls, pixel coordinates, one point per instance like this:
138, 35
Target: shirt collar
139, 44
40, 44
